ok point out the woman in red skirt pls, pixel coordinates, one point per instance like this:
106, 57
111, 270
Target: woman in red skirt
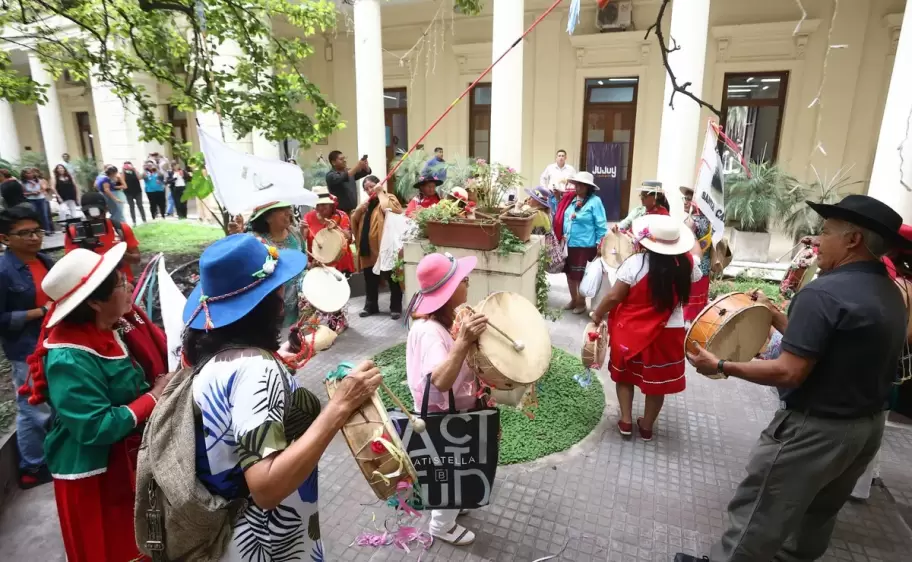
699, 292
327, 214
646, 320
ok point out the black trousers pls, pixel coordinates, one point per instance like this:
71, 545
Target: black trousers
156, 203
179, 207
135, 200
372, 290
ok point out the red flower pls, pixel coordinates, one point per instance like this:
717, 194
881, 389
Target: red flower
377, 447
593, 336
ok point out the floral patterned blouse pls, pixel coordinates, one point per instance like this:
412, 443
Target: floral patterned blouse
252, 407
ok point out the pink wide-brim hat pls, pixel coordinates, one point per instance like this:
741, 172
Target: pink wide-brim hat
438, 277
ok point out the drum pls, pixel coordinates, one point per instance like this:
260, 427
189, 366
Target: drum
721, 257
616, 247
326, 289
328, 245
733, 327
376, 446
595, 345
515, 351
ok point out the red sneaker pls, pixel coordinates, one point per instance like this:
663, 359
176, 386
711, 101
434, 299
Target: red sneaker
644, 434
625, 428
32, 478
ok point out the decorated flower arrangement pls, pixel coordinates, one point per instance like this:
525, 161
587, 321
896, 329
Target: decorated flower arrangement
492, 183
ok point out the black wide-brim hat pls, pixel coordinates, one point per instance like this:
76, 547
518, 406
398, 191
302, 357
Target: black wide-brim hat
427, 179
868, 213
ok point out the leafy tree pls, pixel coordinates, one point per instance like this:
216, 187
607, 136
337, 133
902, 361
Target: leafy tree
178, 43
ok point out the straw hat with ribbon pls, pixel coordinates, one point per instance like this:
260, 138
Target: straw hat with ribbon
439, 275
584, 178
236, 273
266, 207
651, 186
324, 197
68, 284
663, 234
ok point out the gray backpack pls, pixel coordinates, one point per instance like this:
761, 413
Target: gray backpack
176, 517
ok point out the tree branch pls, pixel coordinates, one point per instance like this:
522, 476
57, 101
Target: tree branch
666, 50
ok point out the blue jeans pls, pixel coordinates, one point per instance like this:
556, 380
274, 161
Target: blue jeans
31, 423
115, 207
43, 208
170, 210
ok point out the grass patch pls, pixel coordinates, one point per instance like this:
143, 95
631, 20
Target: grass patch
175, 237
565, 415
745, 285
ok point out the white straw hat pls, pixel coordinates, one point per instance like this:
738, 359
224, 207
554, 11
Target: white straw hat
651, 186
584, 178
322, 193
663, 235
75, 276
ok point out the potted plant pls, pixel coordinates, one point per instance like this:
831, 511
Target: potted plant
443, 225
407, 174
516, 218
754, 203
803, 221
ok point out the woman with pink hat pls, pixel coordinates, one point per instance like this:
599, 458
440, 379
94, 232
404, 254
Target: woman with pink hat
433, 355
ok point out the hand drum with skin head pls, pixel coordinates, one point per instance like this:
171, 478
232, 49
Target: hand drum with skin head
733, 327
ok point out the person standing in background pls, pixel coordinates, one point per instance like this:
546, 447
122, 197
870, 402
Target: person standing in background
106, 185
64, 185
22, 307
67, 164
133, 191
155, 190
11, 190
556, 176
177, 182
31, 187
341, 180
436, 166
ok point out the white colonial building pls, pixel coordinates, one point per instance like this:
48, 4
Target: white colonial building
822, 89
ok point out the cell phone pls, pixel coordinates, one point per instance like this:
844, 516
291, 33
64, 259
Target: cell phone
364, 157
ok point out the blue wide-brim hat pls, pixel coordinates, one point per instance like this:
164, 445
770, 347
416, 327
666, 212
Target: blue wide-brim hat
236, 273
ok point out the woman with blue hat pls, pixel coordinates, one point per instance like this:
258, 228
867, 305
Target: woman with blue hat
539, 200
260, 434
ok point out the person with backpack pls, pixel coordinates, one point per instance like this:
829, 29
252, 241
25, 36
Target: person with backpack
102, 391
257, 434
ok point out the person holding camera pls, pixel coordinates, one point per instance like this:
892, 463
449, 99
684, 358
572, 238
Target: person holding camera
110, 187
99, 233
341, 180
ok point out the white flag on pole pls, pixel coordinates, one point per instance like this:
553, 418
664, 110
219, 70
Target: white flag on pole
243, 181
172, 308
708, 192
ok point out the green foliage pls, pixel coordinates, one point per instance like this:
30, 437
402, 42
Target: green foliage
200, 187
443, 212
7, 413
32, 159
459, 170
177, 44
802, 220
509, 243
468, 7
720, 287
398, 273
182, 237
542, 287
315, 173
85, 170
492, 183
407, 175
566, 412
756, 202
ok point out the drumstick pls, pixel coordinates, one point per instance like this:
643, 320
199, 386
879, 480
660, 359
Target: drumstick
417, 423
518, 345
792, 249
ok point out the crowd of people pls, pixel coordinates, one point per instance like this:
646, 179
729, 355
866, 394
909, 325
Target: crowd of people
91, 367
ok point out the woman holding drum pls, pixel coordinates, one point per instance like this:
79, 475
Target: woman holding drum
431, 350
646, 319
327, 214
260, 434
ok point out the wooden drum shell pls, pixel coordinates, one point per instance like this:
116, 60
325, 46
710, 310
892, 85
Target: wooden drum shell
733, 327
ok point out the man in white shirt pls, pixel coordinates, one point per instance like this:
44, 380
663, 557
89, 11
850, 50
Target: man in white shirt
555, 176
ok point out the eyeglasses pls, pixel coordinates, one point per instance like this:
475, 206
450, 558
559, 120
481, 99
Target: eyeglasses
37, 233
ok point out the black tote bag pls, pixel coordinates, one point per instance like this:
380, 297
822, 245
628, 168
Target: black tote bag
455, 457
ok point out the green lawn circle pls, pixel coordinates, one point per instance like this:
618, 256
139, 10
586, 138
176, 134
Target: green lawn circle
566, 412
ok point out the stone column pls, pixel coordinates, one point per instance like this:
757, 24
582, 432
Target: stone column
507, 84
144, 148
682, 128
9, 139
117, 135
892, 169
371, 124
49, 114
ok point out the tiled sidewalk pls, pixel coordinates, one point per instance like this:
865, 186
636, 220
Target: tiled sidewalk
606, 499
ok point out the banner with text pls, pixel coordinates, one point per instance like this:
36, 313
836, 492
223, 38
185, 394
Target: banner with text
603, 161
708, 191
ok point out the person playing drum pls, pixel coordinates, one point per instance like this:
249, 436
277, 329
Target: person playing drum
646, 320
654, 203
327, 214
443, 285
699, 293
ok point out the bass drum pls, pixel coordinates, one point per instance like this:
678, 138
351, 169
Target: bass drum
733, 327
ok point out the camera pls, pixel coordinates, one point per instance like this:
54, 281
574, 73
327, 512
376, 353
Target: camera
86, 233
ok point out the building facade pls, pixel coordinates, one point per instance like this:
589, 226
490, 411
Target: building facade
808, 91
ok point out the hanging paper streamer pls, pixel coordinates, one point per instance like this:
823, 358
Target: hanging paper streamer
574, 15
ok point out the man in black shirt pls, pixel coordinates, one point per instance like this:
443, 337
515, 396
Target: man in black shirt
842, 343
341, 180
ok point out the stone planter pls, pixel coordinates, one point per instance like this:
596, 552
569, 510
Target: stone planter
514, 272
521, 227
750, 246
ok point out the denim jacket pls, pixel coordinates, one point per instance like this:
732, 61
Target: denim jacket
17, 296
